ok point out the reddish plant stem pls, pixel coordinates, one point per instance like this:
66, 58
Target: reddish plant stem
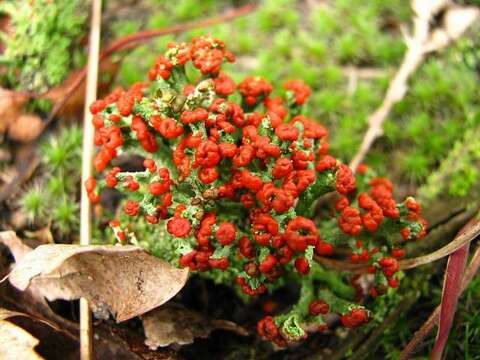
132, 41
427, 327
465, 236
452, 288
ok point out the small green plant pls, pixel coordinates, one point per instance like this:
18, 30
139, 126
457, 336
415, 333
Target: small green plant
42, 47
459, 172
32, 203
53, 199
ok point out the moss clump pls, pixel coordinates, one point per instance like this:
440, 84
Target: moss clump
38, 52
54, 198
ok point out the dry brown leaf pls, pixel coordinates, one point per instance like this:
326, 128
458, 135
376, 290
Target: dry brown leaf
29, 332
31, 300
174, 324
26, 128
15, 244
16, 342
41, 236
124, 281
11, 106
109, 341
6, 314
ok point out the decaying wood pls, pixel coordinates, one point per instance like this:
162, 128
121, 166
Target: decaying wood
175, 324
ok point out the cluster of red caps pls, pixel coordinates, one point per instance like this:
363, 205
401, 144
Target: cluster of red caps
260, 154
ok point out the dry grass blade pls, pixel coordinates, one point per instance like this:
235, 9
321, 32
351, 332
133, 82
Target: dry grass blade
6, 314
417, 339
460, 240
464, 237
451, 292
420, 335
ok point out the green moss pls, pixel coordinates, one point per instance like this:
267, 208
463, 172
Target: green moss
458, 172
54, 198
39, 50
65, 215
415, 165
32, 204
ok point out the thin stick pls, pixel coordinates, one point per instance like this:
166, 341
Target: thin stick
86, 348
134, 40
424, 40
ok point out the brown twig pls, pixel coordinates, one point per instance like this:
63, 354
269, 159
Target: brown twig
132, 41
354, 73
425, 39
86, 350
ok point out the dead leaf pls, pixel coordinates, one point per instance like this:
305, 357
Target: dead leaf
26, 128
113, 342
15, 342
11, 106
109, 341
125, 281
6, 29
49, 341
14, 244
174, 324
31, 301
5, 314
42, 235
69, 96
